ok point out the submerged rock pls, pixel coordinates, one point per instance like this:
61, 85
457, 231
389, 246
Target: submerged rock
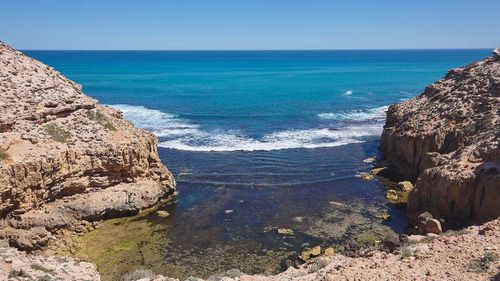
308, 254
162, 214
376, 171
391, 194
370, 159
385, 217
405, 186
365, 176
285, 231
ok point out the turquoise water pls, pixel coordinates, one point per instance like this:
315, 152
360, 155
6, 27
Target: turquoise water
256, 100
259, 140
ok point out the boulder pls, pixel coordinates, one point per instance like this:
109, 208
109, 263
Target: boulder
162, 214
311, 253
405, 186
285, 231
392, 195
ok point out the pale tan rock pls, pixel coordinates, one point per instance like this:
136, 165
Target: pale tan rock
68, 158
365, 176
285, 231
376, 171
391, 194
329, 252
16, 265
447, 140
163, 214
405, 186
311, 253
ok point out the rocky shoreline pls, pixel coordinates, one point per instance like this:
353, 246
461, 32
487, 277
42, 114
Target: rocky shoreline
65, 160
447, 141
67, 163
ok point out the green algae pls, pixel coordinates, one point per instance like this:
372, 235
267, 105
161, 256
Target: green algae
201, 239
122, 245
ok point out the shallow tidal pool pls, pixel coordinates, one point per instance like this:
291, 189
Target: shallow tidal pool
229, 220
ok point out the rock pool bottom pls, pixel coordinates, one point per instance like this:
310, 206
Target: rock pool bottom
230, 206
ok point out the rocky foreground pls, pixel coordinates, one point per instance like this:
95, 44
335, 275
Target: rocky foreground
447, 140
65, 160
471, 254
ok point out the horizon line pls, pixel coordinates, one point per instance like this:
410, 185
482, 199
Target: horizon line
260, 50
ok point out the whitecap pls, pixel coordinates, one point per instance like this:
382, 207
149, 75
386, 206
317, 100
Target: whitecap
160, 123
180, 134
356, 114
288, 139
347, 93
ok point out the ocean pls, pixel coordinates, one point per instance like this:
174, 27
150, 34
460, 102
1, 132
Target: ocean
257, 140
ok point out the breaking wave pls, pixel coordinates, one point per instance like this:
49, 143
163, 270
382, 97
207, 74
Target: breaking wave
180, 134
376, 114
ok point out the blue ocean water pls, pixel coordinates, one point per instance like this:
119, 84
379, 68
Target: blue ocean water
255, 100
261, 139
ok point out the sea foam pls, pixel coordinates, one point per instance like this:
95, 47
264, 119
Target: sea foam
357, 115
180, 134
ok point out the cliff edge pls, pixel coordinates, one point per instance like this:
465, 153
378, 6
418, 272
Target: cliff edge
65, 160
447, 140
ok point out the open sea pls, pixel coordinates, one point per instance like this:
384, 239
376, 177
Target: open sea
257, 140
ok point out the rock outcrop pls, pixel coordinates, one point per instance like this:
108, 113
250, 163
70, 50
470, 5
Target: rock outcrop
17, 265
447, 140
65, 160
471, 254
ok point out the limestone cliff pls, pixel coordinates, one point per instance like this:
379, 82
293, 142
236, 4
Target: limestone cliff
448, 140
64, 158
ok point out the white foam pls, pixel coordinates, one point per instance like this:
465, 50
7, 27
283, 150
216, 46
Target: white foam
180, 134
289, 139
160, 123
357, 115
347, 93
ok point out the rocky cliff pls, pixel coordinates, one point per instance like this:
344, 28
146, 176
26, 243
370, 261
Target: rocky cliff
448, 140
64, 159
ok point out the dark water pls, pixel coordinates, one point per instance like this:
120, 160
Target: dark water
257, 141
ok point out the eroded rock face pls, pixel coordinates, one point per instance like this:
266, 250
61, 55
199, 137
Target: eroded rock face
65, 158
448, 140
17, 265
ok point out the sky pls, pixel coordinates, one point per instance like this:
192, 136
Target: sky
249, 24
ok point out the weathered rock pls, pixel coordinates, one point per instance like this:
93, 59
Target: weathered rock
383, 216
391, 243
370, 159
447, 257
376, 171
427, 224
365, 176
16, 265
405, 186
433, 226
308, 254
162, 214
329, 252
448, 141
285, 231
391, 194
69, 158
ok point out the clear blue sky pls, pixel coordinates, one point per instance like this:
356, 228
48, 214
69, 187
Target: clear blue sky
249, 24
